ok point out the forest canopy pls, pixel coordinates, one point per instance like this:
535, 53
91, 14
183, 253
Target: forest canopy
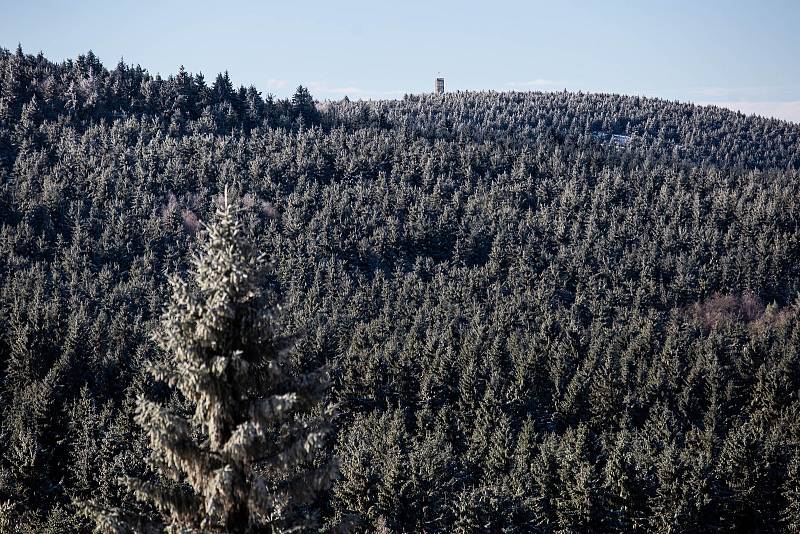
540, 312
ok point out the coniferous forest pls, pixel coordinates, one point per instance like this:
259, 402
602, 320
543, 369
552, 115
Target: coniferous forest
470, 312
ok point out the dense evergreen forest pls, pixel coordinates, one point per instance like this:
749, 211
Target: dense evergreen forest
539, 312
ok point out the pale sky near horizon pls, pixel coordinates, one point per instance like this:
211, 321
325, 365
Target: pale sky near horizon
742, 54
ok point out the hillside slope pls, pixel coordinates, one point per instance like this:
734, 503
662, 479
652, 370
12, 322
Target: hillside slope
532, 326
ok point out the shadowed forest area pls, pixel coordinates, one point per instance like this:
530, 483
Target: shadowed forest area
528, 325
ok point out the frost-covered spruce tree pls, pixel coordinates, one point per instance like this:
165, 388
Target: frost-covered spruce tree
243, 461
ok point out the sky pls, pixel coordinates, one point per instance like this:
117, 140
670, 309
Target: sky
741, 54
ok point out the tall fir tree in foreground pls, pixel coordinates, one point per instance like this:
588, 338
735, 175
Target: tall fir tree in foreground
243, 461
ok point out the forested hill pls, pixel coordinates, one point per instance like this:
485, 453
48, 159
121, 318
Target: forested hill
671, 130
83, 92
543, 312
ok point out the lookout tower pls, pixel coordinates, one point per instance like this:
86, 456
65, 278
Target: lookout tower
439, 86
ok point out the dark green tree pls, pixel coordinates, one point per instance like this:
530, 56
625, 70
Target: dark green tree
304, 108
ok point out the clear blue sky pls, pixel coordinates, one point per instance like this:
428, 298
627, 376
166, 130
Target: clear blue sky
738, 53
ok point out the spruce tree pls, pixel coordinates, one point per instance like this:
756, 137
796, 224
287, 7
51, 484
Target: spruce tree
242, 461
304, 107
791, 493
